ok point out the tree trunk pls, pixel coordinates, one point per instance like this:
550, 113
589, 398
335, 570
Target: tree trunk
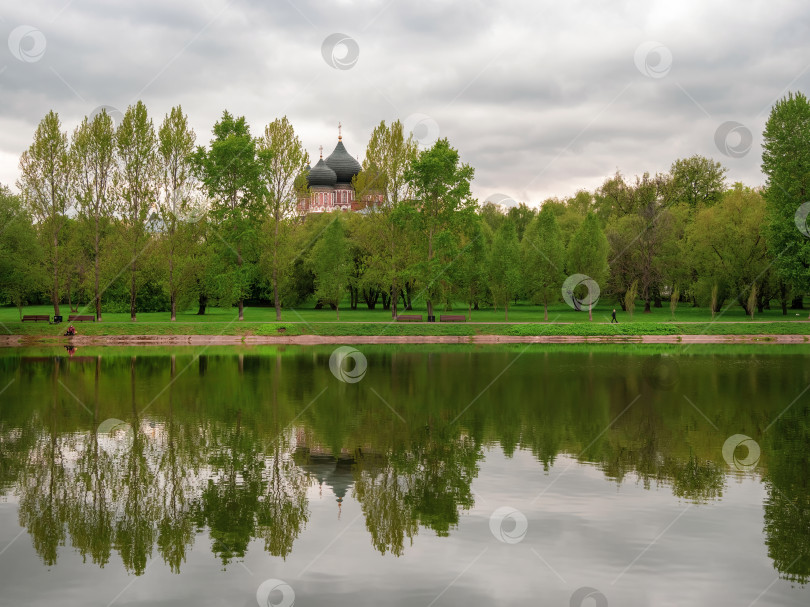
394, 301
132, 288
545, 311
797, 303
647, 309
469, 310
276, 299
97, 294
203, 302
590, 309
337, 309
506, 311
171, 280
241, 299
55, 293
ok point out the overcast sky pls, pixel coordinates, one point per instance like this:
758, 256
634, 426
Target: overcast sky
542, 98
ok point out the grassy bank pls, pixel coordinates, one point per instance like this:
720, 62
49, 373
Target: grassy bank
389, 329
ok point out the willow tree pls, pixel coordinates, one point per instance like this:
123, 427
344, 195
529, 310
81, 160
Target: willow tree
45, 184
137, 184
282, 160
93, 152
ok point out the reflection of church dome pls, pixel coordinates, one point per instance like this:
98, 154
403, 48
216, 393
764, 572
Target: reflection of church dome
344, 166
334, 472
321, 175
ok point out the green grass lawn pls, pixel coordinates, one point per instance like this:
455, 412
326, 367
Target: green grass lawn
307, 320
520, 313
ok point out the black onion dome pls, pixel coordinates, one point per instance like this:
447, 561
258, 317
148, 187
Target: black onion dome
321, 175
344, 166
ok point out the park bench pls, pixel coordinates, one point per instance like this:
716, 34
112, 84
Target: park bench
37, 317
81, 317
410, 318
452, 318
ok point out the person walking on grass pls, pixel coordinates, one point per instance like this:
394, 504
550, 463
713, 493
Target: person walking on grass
613, 317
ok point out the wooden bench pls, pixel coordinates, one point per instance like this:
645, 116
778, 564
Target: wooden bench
452, 318
37, 317
80, 318
410, 318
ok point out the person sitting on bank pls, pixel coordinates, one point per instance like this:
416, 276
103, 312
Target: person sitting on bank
70, 331
613, 318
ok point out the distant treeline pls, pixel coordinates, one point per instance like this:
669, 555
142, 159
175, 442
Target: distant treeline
132, 217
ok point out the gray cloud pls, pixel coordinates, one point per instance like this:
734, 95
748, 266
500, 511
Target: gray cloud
541, 98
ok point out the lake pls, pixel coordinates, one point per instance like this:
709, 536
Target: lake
565, 475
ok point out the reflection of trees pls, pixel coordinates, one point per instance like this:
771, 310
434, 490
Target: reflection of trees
212, 451
147, 490
230, 500
90, 521
178, 464
42, 485
283, 510
426, 483
787, 509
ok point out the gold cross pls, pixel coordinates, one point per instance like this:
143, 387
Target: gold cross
340, 136
321, 149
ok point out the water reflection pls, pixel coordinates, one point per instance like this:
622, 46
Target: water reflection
130, 455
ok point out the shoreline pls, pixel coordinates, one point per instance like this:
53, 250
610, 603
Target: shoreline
21, 341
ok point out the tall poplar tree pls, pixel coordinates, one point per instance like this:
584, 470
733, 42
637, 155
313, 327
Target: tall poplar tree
137, 185
282, 160
93, 152
786, 162
175, 145
46, 184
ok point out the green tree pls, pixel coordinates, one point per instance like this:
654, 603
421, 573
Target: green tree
229, 172
389, 153
521, 215
178, 206
441, 189
786, 163
388, 242
282, 160
330, 264
137, 185
46, 183
698, 180
93, 152
588, 253
504, 265
472, 272
728, 246
543, 254
20, 252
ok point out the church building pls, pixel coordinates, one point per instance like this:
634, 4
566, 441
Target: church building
330, 184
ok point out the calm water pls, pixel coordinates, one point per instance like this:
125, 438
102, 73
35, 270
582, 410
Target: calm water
428, 475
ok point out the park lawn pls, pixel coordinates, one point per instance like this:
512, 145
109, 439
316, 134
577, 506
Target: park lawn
308, 321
